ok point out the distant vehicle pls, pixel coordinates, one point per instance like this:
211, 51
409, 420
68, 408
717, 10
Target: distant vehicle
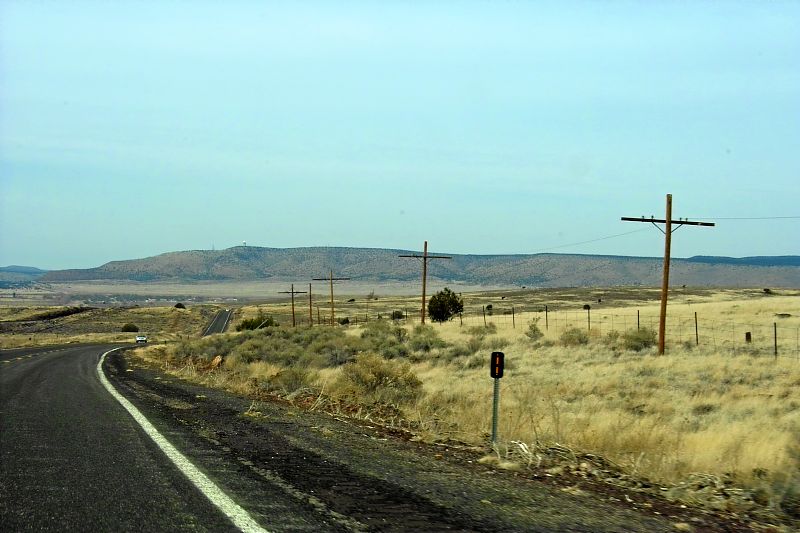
140, 339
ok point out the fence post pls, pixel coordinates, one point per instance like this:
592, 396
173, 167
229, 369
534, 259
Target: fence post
546, 324
637, 319
775, 329
513, 320
484, 316
460, 319
696, 334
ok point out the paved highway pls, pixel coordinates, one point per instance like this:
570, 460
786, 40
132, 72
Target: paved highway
72, 459
220, 322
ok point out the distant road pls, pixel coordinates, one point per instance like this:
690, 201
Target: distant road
220, 322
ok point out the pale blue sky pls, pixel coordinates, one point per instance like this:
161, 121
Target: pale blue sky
129, 129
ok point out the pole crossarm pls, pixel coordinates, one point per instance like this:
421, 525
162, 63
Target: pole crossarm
425, 258
679, 222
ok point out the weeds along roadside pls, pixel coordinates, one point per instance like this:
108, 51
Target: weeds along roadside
665, 419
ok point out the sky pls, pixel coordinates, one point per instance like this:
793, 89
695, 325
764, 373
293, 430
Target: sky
130, 129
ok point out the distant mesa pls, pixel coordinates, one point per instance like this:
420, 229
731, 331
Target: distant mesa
252, 263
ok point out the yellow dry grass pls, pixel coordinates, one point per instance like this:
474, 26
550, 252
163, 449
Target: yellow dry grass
696, 409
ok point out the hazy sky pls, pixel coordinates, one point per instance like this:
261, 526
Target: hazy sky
129, 129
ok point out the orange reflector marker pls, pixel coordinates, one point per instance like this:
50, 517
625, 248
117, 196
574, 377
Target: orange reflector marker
496, 369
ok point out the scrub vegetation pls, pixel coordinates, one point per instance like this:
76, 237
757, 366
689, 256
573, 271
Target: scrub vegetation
729, 415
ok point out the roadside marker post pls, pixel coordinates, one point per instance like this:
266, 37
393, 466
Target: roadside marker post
496, 371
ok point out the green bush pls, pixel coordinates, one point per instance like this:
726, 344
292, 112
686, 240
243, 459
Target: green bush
482, 331
639, 339
574, 337
386, 339
397, 315
424, 338
261, 321
180, 306
534, 333
130, 328
371, 377
344, 321
444, 304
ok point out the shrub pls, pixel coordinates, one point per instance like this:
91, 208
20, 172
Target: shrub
639, 339
534, 333
292, 379
444, 304
130, 328
424, 339
344, 321
482, 331
180, 306
386, 339
261, 321
372, 377
574, 337
397, 315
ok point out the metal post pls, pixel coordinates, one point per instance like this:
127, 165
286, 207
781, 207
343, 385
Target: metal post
495, 408
484, 316
310, 308
637, 319
546, 322
696, 333
513, 320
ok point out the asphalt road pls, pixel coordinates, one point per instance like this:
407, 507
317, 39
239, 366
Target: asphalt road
220, 322
72, 459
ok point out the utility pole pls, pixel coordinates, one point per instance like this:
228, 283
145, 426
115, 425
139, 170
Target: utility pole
331, 279
292, 292
425, 258
310, 312
667, 231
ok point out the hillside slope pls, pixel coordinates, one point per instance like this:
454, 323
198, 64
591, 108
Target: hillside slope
546, 270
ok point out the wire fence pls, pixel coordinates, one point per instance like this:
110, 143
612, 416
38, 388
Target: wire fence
694, 330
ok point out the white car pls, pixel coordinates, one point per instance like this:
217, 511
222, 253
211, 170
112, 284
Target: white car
140, 339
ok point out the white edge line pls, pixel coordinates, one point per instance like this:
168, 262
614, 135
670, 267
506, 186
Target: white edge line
222, 501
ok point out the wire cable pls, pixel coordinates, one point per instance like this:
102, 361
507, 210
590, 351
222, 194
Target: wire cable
589, 241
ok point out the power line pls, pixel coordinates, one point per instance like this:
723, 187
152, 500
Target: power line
587, 242
749, 218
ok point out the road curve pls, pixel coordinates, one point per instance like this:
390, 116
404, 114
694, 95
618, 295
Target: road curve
220, 322
71, 458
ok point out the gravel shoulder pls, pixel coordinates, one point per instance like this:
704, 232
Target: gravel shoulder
342, 474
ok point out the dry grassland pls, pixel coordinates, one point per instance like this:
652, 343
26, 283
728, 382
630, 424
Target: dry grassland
726, 410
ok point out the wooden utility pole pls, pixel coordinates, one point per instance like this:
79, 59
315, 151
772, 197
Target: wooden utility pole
331, 279
425, 258
292, 292
310, 313
667, 231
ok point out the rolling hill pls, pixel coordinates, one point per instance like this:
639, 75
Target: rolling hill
244, 263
